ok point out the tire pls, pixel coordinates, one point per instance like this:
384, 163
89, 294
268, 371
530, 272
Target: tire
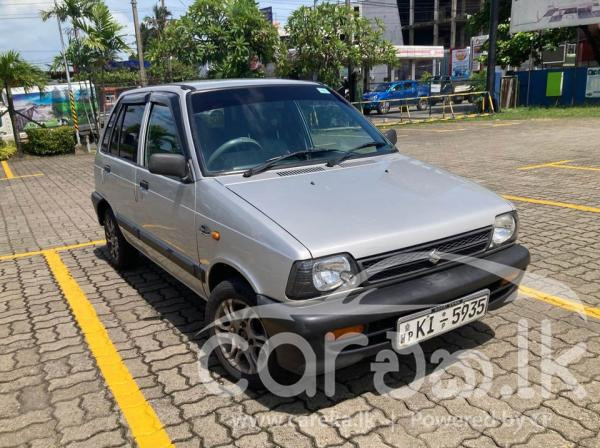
235, 295
422, 104
383, 108
366, 111
120, 253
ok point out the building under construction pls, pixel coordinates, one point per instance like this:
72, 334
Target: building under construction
437, 22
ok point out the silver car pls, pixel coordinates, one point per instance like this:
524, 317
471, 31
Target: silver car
279, 204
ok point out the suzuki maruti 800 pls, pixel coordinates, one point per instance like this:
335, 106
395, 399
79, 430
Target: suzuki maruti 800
278, 203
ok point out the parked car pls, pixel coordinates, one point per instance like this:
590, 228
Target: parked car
281, 194
387, 95
443, 85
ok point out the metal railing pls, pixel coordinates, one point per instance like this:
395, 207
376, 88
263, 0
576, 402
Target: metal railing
428, 108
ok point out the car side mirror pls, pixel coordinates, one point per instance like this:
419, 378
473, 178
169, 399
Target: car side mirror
168, 165
391, 135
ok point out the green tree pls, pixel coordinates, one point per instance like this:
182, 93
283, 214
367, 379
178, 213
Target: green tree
231, 37
319, 47
163, 68
16, 72
515, 49
370, 46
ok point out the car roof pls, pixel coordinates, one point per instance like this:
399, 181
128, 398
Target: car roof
214, 84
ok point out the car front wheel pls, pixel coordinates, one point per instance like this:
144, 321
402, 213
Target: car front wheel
240, 334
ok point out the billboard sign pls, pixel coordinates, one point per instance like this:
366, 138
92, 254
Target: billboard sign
592, 86
419, 52
461, 63
532, 15
51, 107
477, 43
268, 13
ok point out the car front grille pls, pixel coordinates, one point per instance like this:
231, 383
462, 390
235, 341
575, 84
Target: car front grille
418, 260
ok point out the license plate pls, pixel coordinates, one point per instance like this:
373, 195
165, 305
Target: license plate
430, 323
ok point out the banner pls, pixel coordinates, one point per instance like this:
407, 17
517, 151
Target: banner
461, 63
592, 86
531, 15
477, 43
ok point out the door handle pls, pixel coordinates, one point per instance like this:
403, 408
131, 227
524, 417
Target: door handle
204, 229
107, 168
144, 184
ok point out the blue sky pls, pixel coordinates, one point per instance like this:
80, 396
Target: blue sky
21, 28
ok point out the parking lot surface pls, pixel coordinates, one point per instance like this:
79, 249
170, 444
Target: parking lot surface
90, 357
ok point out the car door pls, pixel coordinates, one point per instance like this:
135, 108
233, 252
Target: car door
165, 205
120, 157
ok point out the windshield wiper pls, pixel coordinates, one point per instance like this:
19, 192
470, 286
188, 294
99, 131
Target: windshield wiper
353, 152
274, 161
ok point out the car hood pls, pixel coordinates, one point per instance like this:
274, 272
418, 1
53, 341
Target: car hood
370, 205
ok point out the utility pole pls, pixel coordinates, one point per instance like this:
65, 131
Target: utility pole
138, 38
491, 65
74, 117
350, 37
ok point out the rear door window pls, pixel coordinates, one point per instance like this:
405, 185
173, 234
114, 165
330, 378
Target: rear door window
113, 146
104, 147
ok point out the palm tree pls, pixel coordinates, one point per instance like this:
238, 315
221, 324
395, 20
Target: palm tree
16, 72
103, 40
69, 10
153, 27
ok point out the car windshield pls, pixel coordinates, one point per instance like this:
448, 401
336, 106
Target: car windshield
381, 88
241, 128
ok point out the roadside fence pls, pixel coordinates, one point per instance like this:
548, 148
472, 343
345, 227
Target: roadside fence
451, 106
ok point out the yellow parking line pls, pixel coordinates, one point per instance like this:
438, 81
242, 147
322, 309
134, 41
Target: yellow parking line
543, 165
581, 208
57, 249
575, 167
560, 302
7, 171
146, 427
22, 177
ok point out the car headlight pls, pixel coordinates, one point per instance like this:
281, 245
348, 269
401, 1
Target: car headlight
312, 278
505, 229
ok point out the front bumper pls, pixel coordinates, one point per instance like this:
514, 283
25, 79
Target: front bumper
378, 307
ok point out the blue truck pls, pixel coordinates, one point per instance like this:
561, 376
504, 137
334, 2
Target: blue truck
388, 94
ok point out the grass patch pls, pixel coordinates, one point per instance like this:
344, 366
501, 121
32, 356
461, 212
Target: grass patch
532, 113
7, 150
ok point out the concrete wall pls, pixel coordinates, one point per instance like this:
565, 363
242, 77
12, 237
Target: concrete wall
387, 12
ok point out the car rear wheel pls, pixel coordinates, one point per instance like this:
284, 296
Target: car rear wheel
240, 333
120, 253
383, 108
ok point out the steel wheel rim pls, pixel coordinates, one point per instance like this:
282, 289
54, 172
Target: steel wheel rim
112, 240
235, 321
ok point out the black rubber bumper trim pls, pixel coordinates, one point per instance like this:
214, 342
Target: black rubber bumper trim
501, 272
96, 198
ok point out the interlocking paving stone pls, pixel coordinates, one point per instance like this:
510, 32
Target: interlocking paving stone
52, 394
